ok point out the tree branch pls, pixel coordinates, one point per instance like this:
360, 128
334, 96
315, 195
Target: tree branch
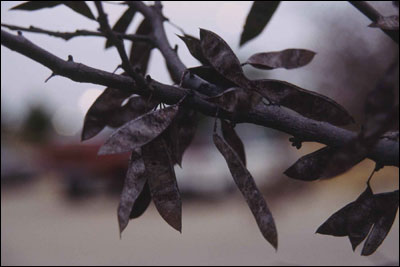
156, 18
69, 35
373, 14
386, 151
119, 44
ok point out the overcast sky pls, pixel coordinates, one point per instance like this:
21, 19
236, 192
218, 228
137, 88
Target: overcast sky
306, 25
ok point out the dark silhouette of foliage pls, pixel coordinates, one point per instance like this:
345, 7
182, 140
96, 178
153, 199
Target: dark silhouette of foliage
157, 135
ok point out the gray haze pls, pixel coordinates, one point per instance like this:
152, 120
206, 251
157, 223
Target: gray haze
350, 56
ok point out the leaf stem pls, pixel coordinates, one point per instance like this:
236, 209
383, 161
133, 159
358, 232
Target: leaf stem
370, 177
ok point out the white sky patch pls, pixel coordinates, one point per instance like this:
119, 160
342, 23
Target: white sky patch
230, 17
332, 29
87, 99
64, 120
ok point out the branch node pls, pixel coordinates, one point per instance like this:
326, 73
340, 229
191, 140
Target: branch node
51, 76
119, 66
182, 99
296, 142
148, 78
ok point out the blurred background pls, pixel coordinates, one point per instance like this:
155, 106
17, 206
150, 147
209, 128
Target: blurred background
59, 199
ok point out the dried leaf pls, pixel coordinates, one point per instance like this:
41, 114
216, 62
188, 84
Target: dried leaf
231, 137
380, 115
140, 51
141, 203
360, 219
357, 218
344, 158
181, 133
307, 103
35, 5
212, 76
80, 7
248, 188
385, 214
107, 111
194, 46
162, 181
258, 17
336, 224
91, 128
327, 162
288, 59
340, 223
236, 100
221, 57
122, 24
136, 106
311, 166
139, 131
133, 186
390, 23
110, 100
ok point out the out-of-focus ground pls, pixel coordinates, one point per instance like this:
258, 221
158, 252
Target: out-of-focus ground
43, 223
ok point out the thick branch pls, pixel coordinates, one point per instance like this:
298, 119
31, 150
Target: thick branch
385, 151
156, 18
69, 35
374, 15
154, 15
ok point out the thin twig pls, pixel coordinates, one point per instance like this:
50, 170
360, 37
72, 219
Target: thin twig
119, 44
373, 14
176, 26
78, 33
370, 177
